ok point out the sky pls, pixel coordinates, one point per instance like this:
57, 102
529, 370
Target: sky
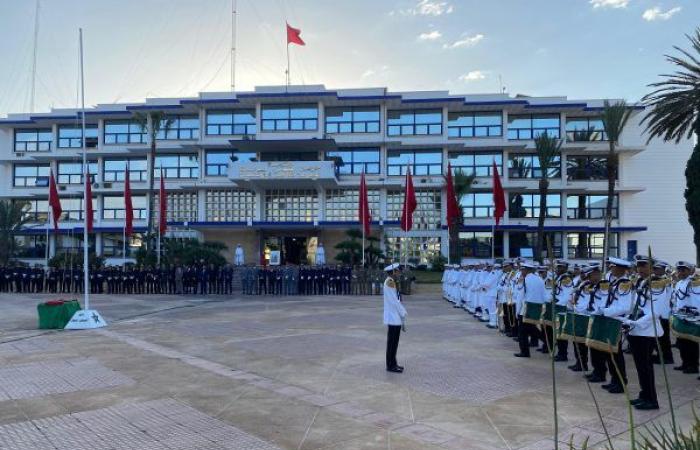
136, 49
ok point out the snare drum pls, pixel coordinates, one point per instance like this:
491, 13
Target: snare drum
547, 313
532, 313
604, 334
685, 328
574, 327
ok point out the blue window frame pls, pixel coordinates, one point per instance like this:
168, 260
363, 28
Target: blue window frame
582, 206
477, 205
352, 119
217, 161
464, 124
529, 126
356, 160
477, 164
181, 128
527, 165
231, 122
177, 166
72, 172
70, 136
123, 132
297, 117
414, 122
31, 175
528, 206
585, 129
422, 162
33, 139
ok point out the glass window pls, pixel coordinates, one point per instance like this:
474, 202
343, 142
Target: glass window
589, 206
181, 207
464, 124
529, 126
113, 207
73, 208
33, 139
71, 136
288, 156
297, 117
181, 127
422, 162
519, 240
177, 166
342, 205
113, 244
416, 250
584, 245
477, 244
114, 170
31, 175
30, 245
123, 132
477, 205
35, 210
581, 129
586, 168
218, 161
528, 206
291, 205
354, 161
230, 205
231, 122
73, 244
527, 165
352, 119
72, 173
428, 214
418, 122
477, 164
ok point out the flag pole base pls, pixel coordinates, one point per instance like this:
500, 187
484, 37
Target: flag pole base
86, 319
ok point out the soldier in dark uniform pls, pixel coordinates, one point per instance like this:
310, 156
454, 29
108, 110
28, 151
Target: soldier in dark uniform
262, 280
52, 280
203, 278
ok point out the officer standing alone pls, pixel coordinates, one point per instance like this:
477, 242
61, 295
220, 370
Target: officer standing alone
394, 317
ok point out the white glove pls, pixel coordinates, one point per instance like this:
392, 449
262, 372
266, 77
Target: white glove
403, 324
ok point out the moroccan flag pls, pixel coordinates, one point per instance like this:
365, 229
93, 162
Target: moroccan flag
409, 203
128, 206
452, 205
294, 36
88, 201
363, 212
499, 198
162, 196
54, 202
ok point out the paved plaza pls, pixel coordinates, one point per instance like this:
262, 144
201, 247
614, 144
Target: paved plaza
266, 373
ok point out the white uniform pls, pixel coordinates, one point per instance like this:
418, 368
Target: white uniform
239, 258
320, 256
645, 297
534, 290
490, 291
394, 311
686, 294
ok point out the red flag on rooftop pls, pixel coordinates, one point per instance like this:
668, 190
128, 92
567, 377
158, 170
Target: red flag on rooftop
364, 213
128, 205
452, 204
54, 202
409, 203
499, 198
162, 196
294, 36
88, 201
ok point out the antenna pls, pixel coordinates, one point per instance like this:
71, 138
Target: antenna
233, 45
36, 45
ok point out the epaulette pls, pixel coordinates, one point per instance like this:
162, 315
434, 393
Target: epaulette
566, 281
391, 283
624, 286
548, 283
658, 284
695, 282
604, 285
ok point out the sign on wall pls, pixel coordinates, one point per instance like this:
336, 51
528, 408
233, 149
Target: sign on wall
275, 258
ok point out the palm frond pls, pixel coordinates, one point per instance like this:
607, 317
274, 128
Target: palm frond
463, 183
615, 117
547, 148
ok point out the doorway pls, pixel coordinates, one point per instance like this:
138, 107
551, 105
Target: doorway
294, 250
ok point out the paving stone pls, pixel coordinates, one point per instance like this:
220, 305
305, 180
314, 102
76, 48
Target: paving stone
425, 433
308, 346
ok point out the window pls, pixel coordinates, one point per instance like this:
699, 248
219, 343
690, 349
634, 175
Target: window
467, 125
478, 164
73, 243
71, 136
289, 117
177, 166
352, 119
428, 162
72, 173
420, 122
114, 170
230, 205
586, 168
477, 244
428, 214
113, 207
73, 208
181, 127
181, 207
30, 245
35, 210
520, 240
356, 160
581, 129
589, 206
528, 166
113, 244
289, 156
31, 175
342, 205
528, 206
477, 205
231, 122
33, 140
529, 126
417, 250
590, 245
123, 132
217, 161
291, 205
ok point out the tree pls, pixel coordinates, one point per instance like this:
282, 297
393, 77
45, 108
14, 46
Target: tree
547, 148
12, 218
614, 117
463, 186
675, 115
184, 251
350, 249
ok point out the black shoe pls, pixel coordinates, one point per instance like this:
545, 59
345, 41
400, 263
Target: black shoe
560, 358
690, 370
400, 368
668, 362
516, 338
617, 389
608, 386
542, 350
493, 327
647, 406
534, 344
680, 368
636, 401
576, 368
655, 359
394, 369
522, 355
596, 379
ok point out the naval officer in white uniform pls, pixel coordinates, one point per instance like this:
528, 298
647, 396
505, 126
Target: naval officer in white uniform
394, 317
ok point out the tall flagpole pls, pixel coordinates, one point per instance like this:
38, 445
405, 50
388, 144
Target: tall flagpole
289, 78
363, 215
86, 268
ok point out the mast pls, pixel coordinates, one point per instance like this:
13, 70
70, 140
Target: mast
86, 268
233, 45
36, 45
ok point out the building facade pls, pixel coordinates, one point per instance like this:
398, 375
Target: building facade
278, 168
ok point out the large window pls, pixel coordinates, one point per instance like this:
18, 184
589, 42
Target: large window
580, 206
356, 160
71, 136
477, 244
586, 168
113, 244
590, 245
421, 162
529, 126
291, 205
35, 210
31, 175
290, 117
113, 207
477, 164
528, 166
177, 166
33, 140
73, 208
231, 122
477, 205
181, 207
230, 205
73, 243
415, 250
464, 124
72, 173
522, 240
528, 206
218, 160
30, 245
352, 119
428, 212
181, 127
123, 132
288, 156
342, 205
585, 129
114, 170
418, 122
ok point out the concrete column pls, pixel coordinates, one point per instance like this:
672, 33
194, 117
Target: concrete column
506, 244
202, 205
98, 244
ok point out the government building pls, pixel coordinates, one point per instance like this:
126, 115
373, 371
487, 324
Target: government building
279, 168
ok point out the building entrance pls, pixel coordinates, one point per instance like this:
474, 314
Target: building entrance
297, 249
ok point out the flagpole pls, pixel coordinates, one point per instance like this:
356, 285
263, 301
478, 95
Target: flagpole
124, 245
86, 268
48, 223
363, 215
288, 74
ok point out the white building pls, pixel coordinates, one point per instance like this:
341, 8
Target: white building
282, 190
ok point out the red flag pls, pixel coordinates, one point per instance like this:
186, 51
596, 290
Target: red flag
54, 202
409, 203
88, 201
364, 213
499, 198
128, 205
162, 196
294, 36
452, 204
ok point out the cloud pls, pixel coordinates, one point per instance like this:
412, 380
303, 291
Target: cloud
614, 4
655, 13
427, 8
430, 36
369, 73
474, 75
468, 41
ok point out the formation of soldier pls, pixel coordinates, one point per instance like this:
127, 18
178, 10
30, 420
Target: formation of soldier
637, 301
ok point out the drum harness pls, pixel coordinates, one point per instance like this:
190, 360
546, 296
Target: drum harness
687, 311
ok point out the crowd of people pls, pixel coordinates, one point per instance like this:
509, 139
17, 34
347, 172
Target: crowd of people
634, 304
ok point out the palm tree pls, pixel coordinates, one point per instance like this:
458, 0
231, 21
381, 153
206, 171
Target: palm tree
614, 117
548, 149
12, 218
675, 115
463, 186
152, 123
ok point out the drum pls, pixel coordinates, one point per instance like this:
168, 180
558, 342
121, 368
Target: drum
532, 313
547, 313
686, 327
604, 333
573, 327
